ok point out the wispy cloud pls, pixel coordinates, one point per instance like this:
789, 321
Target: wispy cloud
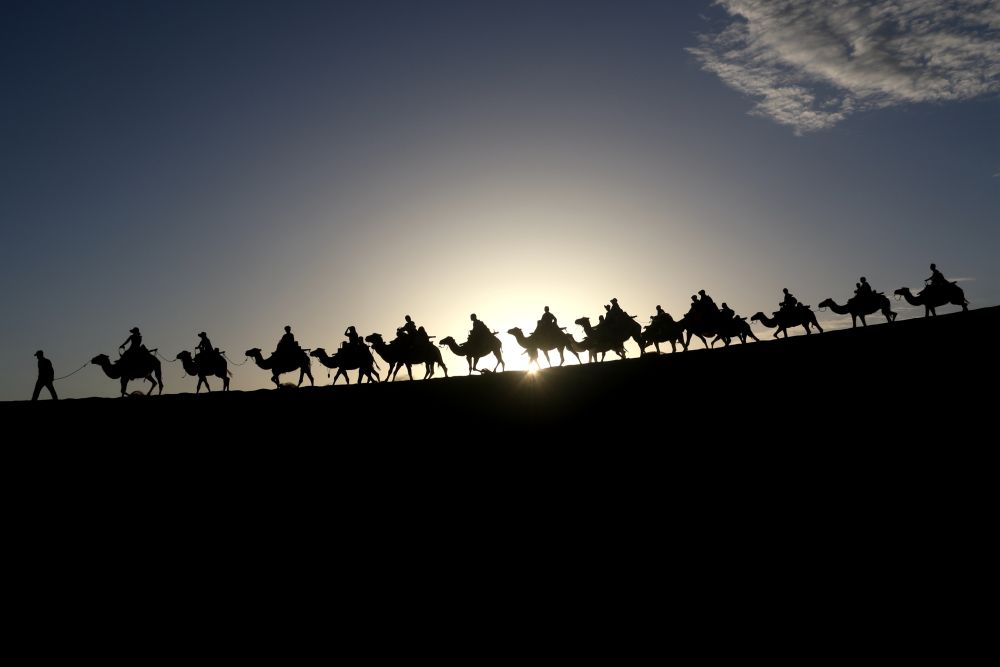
811, 64
963, 279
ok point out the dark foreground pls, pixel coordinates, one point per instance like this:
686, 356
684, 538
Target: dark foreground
838, 475
932, 377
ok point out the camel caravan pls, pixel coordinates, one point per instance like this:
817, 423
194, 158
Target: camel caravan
412, 346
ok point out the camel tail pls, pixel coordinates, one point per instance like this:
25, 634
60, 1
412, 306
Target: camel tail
229, 373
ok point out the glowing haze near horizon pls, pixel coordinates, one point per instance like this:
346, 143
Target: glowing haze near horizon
234, 166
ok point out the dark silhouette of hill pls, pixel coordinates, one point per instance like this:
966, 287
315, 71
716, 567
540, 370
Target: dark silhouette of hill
876, 384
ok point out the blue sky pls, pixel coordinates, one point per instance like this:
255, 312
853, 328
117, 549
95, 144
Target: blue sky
236, 166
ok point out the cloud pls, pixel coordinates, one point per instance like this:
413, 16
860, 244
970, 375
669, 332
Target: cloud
810, 65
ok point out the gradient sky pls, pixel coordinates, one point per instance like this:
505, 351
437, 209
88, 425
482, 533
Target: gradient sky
237, 166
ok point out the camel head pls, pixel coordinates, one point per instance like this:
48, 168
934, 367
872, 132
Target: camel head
318, 352
447, 340
583, 322
826, 303
758, 316
253, 352
183, 356
374, 339
902, 291
515, 331
101, 360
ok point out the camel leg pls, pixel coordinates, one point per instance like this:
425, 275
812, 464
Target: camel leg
547, 360
472, 364
124, 382
444, 367
863, 323
225, 383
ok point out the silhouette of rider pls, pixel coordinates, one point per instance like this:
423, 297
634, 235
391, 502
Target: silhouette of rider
616, 311
707, 303
864, 290
409, 328
287, 343
422, 339
353, 339
660, 316
726, 313
136, 343
479, 330
204, 346
937, 278
548, 320
695, 306
789, 302
45, 377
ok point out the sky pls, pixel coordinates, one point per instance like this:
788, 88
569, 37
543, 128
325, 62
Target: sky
234, 167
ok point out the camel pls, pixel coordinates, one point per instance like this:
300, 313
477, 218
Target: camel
801, 316
551, 339
702, 324
202, 367
601, 341
663, 331
142, 366
734, 328
474, 350
347, 360
857, 307
397, 356
933, 297
284, 363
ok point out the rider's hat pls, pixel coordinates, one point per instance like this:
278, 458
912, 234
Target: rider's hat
134, 330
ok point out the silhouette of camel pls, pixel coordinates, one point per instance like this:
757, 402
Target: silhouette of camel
601, 341
857, 307
142, 366
663, 331
800, 316
202, 367
398, 355
545, 341
934, 297
348, 360
702, 324
473, 351
738, 328
285, 363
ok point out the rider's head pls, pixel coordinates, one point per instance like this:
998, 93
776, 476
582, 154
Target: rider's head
701, 292
694, 297
659, 307
725, 305
546, 309
202, 334
933, 267
615, 301
472, 317
785, 290
863, 279
288, 329
134, 330
39, 354
407, 318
